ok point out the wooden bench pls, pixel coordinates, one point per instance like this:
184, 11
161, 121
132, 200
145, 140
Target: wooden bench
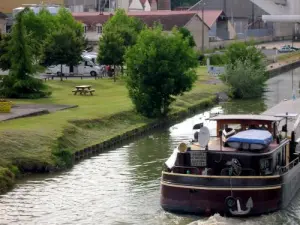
91, 91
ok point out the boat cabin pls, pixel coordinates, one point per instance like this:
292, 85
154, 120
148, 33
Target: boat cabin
245, 145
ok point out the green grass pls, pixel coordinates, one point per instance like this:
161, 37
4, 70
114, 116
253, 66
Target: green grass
289, 56
29, 142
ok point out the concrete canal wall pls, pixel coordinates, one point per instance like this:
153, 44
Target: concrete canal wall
280, 68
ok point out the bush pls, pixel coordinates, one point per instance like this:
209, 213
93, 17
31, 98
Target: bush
217, 59
201, 58
64, 157
245, 79
241, 51
31, 88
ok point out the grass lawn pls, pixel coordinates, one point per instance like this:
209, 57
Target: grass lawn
28, 142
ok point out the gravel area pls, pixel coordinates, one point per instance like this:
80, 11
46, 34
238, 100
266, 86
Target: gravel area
25, 110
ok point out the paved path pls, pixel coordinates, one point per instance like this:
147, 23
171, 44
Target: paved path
26, 110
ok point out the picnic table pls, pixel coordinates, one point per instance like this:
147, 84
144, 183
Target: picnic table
83, 90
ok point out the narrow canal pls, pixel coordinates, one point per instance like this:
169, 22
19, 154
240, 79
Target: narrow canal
122, 186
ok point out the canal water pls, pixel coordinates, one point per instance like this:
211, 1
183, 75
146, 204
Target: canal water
121, 186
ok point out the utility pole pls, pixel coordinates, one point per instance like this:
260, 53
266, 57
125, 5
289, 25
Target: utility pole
203, 25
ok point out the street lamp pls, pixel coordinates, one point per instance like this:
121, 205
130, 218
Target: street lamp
202, 9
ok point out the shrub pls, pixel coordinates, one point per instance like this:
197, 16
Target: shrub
245, 79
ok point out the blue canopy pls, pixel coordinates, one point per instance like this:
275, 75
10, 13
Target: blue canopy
262, 137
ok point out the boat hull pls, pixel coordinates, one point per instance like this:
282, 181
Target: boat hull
208, 195
205, 201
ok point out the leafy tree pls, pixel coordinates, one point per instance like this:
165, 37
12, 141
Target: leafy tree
245, 79
187, 34
111, 47
5, 63
39, 27
20, 83
159, 67
119, 33
63, 47
42, 25
243, 52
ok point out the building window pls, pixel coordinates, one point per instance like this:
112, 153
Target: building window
99, 28
84, 28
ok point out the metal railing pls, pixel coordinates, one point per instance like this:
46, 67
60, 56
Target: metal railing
289, 166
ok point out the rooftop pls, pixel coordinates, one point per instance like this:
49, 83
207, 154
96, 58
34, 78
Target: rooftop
247, 117
167, 17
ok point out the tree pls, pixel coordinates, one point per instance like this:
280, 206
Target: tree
119, 33
42, 25
111, 47
159, 67
245, 79
5, 63
63, 47
20, 83
187, 34
241, 51
39, 27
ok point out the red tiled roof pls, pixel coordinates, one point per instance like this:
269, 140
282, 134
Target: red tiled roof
210, 16
167, 18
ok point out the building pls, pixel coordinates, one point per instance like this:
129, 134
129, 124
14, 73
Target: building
280, 8
142, 5
94, 22
3, 22
246, 15
219, 24
241, 12
112, 5
7, 6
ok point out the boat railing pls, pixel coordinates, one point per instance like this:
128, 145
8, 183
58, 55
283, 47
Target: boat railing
209, 171
289, 166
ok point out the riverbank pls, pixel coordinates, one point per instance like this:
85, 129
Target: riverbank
54, 141
284, 63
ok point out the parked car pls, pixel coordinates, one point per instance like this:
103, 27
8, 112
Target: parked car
286, 49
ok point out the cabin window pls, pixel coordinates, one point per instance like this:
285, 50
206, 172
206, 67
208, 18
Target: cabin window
266, 166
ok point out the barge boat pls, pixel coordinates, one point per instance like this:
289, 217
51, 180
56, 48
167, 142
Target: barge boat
250, 168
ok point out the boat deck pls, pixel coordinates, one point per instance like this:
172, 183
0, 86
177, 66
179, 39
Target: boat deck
215, 145
290, 107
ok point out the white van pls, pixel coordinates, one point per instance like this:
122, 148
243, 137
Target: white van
85, 67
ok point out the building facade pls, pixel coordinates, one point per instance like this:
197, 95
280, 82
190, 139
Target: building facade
3, 22
280, 7
93, 23
6, 6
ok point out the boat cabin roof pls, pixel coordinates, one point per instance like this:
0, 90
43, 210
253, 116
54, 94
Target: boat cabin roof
247, 117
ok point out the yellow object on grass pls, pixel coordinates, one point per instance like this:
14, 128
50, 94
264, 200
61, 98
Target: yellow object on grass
5, 106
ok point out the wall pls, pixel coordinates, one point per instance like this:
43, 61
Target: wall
231, 30
225, 43
195, 27
222, 29
283, 29
6, 6
2, 25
